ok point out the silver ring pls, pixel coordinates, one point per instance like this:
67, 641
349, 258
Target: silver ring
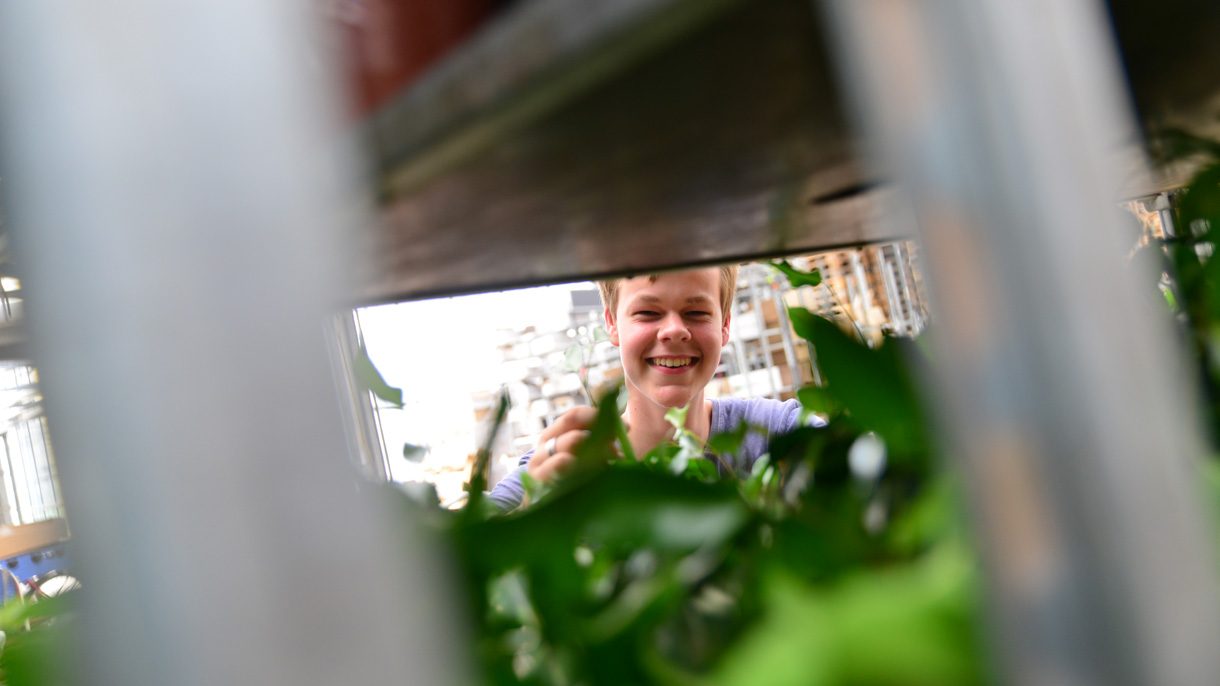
549, 446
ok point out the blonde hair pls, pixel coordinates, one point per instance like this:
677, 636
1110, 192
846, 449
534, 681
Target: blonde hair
728, 287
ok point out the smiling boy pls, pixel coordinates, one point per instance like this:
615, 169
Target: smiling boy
670, 329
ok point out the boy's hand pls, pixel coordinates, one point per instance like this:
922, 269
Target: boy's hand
554, 453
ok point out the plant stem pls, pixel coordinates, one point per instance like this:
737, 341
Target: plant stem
478, 473
625, 442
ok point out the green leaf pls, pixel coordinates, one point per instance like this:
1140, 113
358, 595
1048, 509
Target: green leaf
574, 357
689, 445
534, 489
370, 379
872, 385
909, 625
509, 599
817, 399
1170, 299
797, 277
729, 442
599, 447
676, 416
37, 657
702, 469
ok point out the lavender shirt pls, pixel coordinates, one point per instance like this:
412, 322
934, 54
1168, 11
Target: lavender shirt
772, 417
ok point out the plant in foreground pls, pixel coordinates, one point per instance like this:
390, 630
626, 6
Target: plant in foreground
838, 559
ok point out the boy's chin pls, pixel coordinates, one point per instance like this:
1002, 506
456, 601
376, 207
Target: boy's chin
671, 398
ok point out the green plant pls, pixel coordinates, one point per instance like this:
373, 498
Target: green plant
38, 636
669, 570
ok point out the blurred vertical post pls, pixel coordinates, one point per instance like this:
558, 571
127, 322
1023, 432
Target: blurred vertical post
181, 203
1005, 125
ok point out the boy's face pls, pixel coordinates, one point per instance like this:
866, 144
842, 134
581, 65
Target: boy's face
670, 332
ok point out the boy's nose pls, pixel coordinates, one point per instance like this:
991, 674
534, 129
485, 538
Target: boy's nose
674, 329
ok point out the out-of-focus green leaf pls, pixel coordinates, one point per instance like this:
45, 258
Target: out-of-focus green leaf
370, 379
702, 469
509, 599
689, 446
931, 518
676, 416
1170, 299
871, 384
619, 510
534, 490
15, 613
729, 442
413, 453
39, 657
574, 357
625, 508
420, 492
797, 277
817, 399
904, 627
606, 436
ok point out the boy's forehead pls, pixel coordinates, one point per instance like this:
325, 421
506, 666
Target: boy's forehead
694, 283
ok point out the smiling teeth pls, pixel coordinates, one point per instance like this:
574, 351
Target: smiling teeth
672, 361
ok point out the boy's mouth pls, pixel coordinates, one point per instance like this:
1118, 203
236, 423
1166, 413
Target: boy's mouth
672, 362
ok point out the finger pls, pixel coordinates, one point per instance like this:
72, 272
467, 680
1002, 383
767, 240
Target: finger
570, 441
555, 466
566, 443
539, 458
575, 419
552, 442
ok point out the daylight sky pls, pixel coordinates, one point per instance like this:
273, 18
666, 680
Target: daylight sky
440, 352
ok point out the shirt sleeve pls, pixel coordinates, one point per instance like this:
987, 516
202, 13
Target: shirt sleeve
787, 417
508, 493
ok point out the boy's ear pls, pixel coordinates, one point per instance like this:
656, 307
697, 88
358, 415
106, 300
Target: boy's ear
724, 330
611, 328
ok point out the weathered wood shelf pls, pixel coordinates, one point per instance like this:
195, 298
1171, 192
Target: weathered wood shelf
570, 139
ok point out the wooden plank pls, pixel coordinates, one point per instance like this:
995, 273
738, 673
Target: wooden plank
523, 66
16, 540
713, 147
574, 139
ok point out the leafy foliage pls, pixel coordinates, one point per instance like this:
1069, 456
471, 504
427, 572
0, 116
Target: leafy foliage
673, 569
38, 635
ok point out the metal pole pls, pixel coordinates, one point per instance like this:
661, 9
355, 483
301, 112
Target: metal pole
179, 201
1003, 122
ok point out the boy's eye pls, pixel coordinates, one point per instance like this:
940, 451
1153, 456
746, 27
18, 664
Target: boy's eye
699, 314
645, 313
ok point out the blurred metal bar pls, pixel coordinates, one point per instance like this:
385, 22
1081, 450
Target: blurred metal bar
1005, 122
178, 197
